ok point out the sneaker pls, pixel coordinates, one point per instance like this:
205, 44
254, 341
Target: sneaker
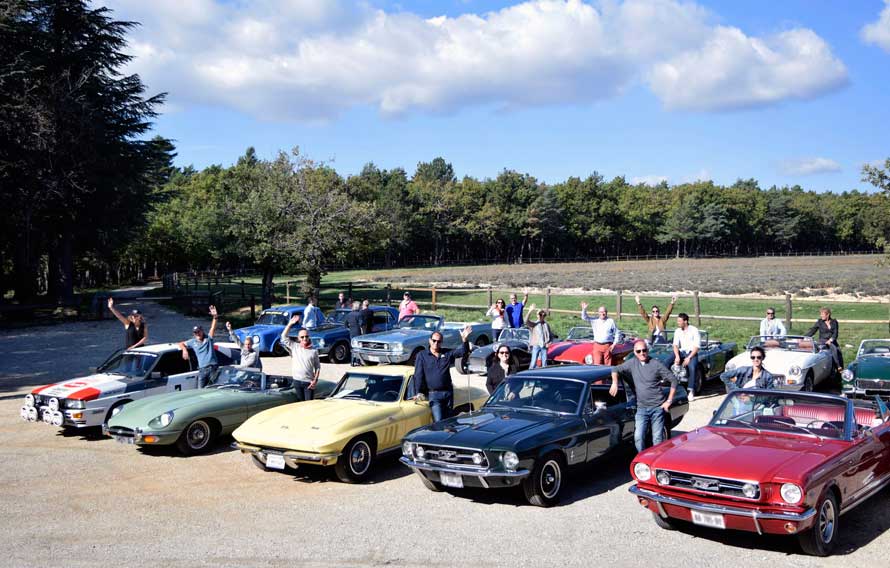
691, 397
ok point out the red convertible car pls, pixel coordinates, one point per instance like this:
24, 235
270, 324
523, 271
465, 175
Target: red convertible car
577, 347
770, 461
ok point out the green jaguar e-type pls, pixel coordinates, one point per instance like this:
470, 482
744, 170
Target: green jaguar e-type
869, 374
195, 418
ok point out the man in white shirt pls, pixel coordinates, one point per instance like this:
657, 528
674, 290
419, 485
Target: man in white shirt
687, 342
312, 314
605, 334
770, 326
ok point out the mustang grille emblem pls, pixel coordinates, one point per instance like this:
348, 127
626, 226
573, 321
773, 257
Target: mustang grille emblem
447, 455
705, 484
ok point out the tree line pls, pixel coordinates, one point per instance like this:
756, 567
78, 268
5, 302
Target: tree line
90, 202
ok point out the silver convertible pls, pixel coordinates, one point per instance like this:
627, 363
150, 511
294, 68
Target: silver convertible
803, 362
411, 336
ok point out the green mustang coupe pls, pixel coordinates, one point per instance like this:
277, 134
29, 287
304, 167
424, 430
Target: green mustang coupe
869, 374
193, 419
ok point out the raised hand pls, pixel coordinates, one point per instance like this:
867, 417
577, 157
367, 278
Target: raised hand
229, 325
466, 333
674, 299
110, 302
294, 320
213, 311
637, 300
583, 305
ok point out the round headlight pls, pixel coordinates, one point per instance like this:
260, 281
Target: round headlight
749, 490
53, 404
477, 458
116, 410
398, 348
165, 419
29, 399
791, 493
511, 460
795, 370
256, 340
642, 471
847, 375
588, 359
663, 478
420, 452
408, 449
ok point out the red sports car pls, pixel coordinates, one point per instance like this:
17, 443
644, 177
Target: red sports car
770, 462
577, 347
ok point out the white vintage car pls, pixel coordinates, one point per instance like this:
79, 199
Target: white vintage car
130, 375
800, 359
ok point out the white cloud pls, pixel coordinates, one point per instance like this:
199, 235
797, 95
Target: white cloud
650, 180
308, 60
809, 166
878, 32
701, 175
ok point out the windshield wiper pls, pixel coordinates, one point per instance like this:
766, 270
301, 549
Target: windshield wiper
352, 397
533, 407
742, 422
802, 429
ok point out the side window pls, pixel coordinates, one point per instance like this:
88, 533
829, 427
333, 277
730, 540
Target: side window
409, 388
382, 320
171, 363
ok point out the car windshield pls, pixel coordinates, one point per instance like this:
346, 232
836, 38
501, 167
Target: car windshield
551, 395
879, 347
514, 334
429, 323
130, 364
796, 413
273, 318
577, 333
365, 386
336, 316
785, 343
237, 379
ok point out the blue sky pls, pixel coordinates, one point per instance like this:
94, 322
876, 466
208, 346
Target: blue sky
791, 92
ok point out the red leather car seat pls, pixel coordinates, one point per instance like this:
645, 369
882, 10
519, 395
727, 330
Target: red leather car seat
810, 412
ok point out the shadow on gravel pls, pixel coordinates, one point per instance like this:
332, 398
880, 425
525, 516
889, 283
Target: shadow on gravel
386, 468
222, 445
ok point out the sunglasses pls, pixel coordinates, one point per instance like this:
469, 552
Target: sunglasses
503, 352
756, 358
302, 337
435, 341
770, 313
641, 350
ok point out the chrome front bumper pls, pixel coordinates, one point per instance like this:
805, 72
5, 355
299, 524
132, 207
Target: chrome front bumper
291, 458
753, 514
460, 471
376, 356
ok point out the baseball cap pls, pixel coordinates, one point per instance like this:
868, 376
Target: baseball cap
135, 313
197, 328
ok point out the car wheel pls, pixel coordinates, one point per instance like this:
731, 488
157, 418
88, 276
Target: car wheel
354, 464
340, 353
808, 382
430, 484
196, 438
667, 524
542, 487
820, 539
699, 380
279, 350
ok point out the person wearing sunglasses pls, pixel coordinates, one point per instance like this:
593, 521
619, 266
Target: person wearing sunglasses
646, 375
539, 338
657, 321
770, 326
202, 344
498, 314
500, 368
754, 376
432, 373
304, 360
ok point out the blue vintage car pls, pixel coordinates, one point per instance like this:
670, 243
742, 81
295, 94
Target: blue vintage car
411, 336
266, 332
331, 339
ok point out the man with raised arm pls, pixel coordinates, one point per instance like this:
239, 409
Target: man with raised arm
135, 329
202, 344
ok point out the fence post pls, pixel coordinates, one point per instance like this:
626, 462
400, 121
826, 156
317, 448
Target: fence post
788, 313
434, 298
697, 305
618, 304
490, 296
388, 290
547, 300
252, 307
287, 292
349, 291
242, 289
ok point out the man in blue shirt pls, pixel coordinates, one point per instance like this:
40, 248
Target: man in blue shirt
514, 310
202, 345
432, 374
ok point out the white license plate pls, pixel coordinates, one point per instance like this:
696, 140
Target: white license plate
275, 461
124, 439
451, 480
374, 358
708, 520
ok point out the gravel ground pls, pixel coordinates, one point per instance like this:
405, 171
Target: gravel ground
84, 500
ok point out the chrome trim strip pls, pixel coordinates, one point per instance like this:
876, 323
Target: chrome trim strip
722, 509
485, 473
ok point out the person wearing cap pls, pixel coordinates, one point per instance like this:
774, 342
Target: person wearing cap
657, 322
250, 357
202, 344
305, 363
539, 338
407, 307
135, 329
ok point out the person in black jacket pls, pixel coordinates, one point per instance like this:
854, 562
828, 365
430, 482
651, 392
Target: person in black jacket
500, 368
828, 332
367, 317
355, 324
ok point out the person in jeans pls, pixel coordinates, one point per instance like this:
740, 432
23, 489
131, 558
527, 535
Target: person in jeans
827, 327
687, 341
202, 344
355, 323
539, 339
305, 363
646, 375
498, 314
432, 374
250, 357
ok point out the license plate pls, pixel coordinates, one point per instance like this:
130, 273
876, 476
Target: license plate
275, 461
708, 520
374, 358
451, 480
124, 439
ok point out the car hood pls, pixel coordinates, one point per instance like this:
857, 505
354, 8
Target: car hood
308, 425
88, 388
326, 328
485, 428
872, 367
262, 329
395, 335
742, 454
140, 412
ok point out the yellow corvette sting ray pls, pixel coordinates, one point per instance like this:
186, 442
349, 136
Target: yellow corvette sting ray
367, 414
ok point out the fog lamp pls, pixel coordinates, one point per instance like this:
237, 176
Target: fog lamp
477, 458
749, 490
663, 478
420, 452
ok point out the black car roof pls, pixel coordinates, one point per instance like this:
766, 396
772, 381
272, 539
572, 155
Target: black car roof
577, 372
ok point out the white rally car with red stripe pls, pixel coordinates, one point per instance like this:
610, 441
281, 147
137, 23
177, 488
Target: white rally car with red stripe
127, 376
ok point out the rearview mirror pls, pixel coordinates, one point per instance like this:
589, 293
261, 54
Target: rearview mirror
156, 375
